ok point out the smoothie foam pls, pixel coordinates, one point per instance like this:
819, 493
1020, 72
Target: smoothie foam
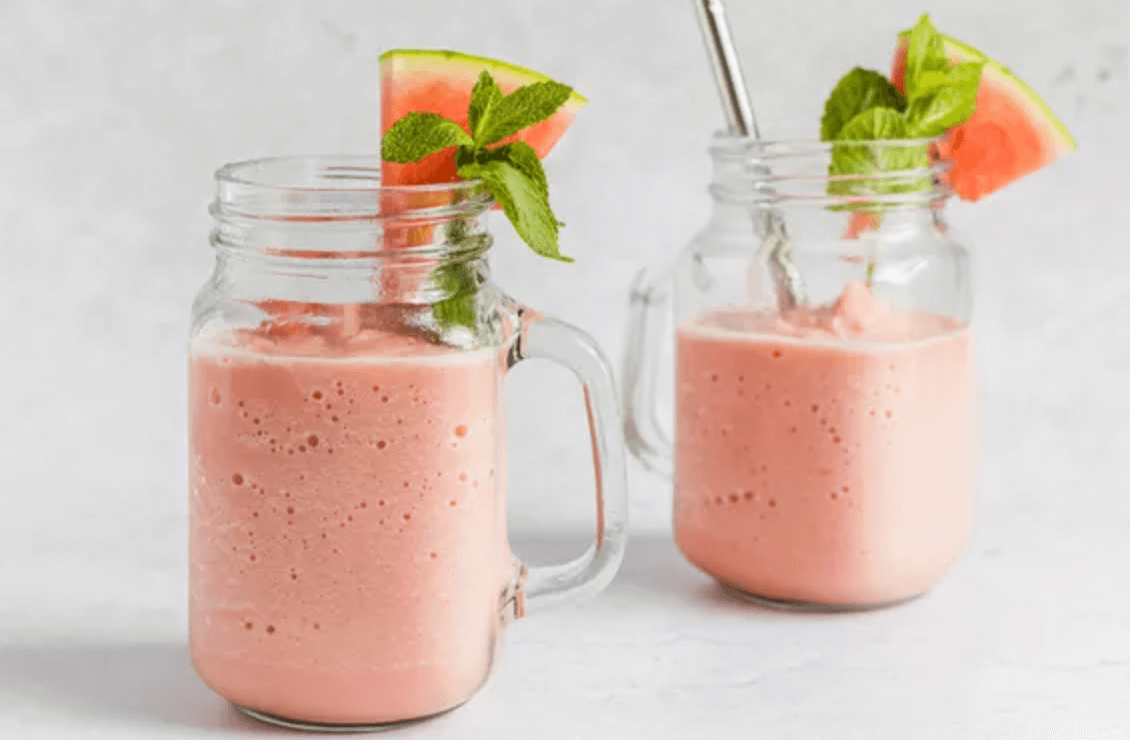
824, 456
348, 545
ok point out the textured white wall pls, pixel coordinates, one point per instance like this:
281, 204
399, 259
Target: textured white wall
113, 116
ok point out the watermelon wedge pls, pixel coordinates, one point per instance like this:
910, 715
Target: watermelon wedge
1011, 134
441, 82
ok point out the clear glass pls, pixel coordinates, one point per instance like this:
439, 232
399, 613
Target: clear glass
822, 452
350, 566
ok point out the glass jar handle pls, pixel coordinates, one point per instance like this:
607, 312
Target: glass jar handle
650, 295
547, 586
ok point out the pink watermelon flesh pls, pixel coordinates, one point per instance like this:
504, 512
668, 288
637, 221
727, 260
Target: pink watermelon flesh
441, 82
1011, 133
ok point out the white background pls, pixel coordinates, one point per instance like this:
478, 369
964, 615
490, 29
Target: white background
113, 116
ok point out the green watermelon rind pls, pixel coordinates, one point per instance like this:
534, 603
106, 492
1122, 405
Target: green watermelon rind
1001, 76
432, 59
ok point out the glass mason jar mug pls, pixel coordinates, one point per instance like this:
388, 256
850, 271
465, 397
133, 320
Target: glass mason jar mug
350, 566
822, 454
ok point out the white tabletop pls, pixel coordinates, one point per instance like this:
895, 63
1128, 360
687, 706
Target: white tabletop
1030, 632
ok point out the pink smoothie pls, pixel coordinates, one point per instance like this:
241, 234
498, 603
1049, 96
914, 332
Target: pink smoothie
824, 456
348, 545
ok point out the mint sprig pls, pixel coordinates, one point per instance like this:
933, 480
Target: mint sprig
870, 122
865, 107
512, 172
459, 278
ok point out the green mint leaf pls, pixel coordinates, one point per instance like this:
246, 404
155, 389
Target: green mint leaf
862, 164
460, 279
929, 81
946, 105
523, 157
856, 92
875, 123
455, 311
464, 242
419, 134
521, 109
484, 98
522, 201
925, 53
519, 154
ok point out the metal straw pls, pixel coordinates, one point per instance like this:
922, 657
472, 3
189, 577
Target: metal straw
739, 116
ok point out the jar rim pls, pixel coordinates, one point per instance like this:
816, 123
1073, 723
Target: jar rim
725, 142
803, 172
342, 187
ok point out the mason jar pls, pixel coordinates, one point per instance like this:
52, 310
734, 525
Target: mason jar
823, 379
350, 566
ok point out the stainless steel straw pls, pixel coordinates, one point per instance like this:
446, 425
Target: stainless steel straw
739, 116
